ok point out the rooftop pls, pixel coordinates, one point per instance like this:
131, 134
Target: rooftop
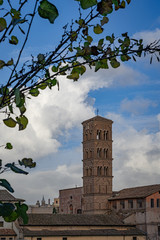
136, 192
73, 220
5, 196
92, 232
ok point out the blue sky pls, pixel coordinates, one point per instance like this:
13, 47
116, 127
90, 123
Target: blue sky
130, 96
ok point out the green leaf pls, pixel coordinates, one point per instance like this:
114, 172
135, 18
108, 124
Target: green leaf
98, 29
4, 183
104, 7
12, 217
6, 209
125, 58
10, 62
41, 58
123, 4
87, 3
13, 40
43, 86
114, 63
10, 122
55, 69
89, 39
128, 1
15, 169
48, 10
104, 20
115, 2
74, 76
23, 122
34, 92
101, 64
22, 109
79, 69
3, 24
2, 64
22, 211
17, 96
27, 162
8, 146
73, 36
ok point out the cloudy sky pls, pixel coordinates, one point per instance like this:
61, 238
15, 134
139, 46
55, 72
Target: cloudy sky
129, 95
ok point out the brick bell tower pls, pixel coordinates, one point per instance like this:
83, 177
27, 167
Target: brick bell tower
97, 164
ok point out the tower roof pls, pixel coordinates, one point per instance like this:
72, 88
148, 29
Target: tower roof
97, 118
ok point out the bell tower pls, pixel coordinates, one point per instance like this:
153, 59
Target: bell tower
97, 164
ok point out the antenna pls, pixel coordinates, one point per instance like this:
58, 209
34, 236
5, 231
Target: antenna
97, 111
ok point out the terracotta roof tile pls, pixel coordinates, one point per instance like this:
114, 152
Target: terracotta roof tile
92, 232
7, 232
5, 196
136, 192
73, 220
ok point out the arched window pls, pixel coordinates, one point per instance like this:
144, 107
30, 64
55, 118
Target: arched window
99, 171
99, 152
98, 134
86, 153
105, 135
90, 172
71, 209
105, 171
90, 153
105, 153
86, 171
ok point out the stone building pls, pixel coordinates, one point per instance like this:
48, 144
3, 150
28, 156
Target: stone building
139, 206
44, 207
71, 200
97, 164
78, 227
97, 170
9, 230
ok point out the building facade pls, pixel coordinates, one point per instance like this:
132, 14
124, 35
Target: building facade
139, 206
97, 164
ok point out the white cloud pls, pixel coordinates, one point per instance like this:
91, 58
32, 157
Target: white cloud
136, 106
52, 116
136, 154
148, 36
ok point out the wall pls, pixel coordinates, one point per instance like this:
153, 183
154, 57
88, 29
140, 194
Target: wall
89, 238
70, 200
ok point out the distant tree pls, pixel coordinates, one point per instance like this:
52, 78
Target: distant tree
80, 45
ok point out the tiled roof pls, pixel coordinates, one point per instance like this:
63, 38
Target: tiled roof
73, 220
7, 232
5, 196
92, 232
136, 192
97, 118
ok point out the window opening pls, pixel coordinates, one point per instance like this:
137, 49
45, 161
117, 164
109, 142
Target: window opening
71, 208
130, 203
105, 153
158, 201
105, 135
139, 203
1, 224
122, 204
152, 203
98, 134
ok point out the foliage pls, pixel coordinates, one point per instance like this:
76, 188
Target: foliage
77, 48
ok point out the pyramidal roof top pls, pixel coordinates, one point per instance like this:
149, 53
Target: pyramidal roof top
97, 118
